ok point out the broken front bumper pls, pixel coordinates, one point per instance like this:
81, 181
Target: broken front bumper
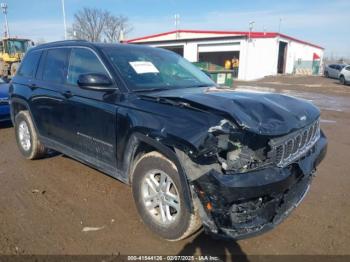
244, 205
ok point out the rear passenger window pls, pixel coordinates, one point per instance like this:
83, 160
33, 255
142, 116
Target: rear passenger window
83, 61
348, 68
55, 65
29, 64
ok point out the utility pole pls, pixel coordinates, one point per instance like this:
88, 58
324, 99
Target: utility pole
4, 10
64, 20
177, 22
249, 40
121, 35
251, 27
279, 25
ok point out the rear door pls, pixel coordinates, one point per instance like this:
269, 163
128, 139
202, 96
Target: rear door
23, 84
48, 100
91, 114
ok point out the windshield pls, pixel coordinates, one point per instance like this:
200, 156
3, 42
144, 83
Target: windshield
16, 46
146, 69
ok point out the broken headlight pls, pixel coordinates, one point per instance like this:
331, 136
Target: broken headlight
237, 157
231, 153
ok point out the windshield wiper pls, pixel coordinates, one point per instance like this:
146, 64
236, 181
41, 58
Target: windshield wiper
201, 85
150, 89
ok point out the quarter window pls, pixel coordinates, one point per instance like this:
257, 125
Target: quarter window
55, 65
83, 61
29, 64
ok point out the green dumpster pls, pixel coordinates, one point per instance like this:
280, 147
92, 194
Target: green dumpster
222, 77
219, 74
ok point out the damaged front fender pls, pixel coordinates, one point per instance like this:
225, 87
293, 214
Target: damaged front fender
241, 205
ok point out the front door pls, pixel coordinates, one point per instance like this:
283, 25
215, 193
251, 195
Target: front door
91, 114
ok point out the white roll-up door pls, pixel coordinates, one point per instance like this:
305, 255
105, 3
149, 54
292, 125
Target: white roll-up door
228, 47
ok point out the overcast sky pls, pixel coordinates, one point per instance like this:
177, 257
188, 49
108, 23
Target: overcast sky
322, 22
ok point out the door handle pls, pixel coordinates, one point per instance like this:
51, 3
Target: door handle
67, 94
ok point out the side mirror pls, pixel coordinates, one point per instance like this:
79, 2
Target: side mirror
98, 82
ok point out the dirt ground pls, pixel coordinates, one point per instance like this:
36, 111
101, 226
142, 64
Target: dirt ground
46, 204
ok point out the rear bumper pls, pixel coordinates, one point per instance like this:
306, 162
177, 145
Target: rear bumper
244, 205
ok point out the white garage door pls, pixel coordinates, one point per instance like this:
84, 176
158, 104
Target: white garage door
229, 47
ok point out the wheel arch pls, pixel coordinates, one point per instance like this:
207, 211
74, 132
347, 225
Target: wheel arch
17, 105
20, 104
140, 144
342, 78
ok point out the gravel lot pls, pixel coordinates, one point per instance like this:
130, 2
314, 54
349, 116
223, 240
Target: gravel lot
46, 204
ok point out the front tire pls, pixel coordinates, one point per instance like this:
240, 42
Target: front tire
342, 80
160, 200
27, 137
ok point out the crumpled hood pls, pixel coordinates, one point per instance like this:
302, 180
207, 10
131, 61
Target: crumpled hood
261, 113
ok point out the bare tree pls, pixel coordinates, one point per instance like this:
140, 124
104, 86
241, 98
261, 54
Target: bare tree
115, 25
89, 24
96, 25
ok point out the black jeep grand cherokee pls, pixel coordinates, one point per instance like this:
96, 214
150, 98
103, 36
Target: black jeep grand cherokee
194, 153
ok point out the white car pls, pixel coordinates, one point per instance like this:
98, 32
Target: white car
344, 75
333, 70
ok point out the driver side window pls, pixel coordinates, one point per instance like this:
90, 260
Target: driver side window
83, 61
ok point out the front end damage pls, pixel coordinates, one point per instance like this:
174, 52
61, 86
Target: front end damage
245, 184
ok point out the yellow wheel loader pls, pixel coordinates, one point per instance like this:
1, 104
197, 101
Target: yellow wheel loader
12, 51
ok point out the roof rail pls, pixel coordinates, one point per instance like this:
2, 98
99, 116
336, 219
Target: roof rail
64, 41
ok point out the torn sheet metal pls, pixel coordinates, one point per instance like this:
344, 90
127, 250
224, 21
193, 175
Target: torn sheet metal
243, 205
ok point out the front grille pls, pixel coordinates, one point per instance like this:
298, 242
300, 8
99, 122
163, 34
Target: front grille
289, 148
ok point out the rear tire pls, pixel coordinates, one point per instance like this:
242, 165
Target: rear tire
27, 137
172, 221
